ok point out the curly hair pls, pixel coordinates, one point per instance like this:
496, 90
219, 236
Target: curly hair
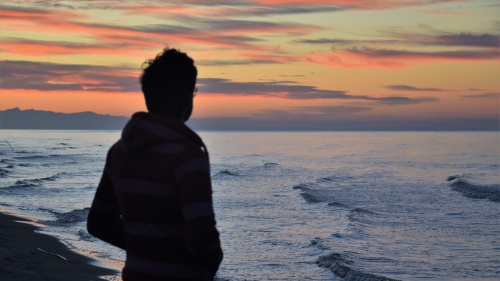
168, 82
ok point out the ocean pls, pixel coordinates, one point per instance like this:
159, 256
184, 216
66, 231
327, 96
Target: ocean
297, 205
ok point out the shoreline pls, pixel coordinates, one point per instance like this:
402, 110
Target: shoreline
27, 255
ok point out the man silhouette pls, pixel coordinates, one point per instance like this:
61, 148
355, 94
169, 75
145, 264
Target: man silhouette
154, 199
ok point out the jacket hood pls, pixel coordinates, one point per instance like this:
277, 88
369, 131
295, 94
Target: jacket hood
145, 130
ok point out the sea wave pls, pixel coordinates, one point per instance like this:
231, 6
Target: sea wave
362, 211
32, 157
84, 235
40, 157
301, 187
344, 268
73, 216
327, 179
322, 189
318, 243
361, 216
225, 173
35, 182
308, 194
336, 204
271, 165
3, 172
472, 190
310, 197
52, 178
25, 184
61, 148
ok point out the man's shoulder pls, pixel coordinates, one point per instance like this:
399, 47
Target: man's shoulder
192, 149
115, 146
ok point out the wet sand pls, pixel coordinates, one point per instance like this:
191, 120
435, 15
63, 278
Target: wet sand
27, 255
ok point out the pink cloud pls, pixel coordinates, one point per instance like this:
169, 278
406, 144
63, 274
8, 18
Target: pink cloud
386, 58
216, 33
42, 48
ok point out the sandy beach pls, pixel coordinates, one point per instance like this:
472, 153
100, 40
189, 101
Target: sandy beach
27, 255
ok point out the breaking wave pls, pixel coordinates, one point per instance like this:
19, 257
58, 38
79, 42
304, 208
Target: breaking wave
307, 194
310, 197
73, 216
225, 173
84, 235
471, 190
344, 268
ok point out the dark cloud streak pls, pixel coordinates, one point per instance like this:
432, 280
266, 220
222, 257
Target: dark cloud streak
234, 62
345, 41
288, 90
311, 112
495, 95
64, 77
389, 53
485, 40
411, 88
68, 77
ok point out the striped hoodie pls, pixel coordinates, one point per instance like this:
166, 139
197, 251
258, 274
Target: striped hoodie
154, 200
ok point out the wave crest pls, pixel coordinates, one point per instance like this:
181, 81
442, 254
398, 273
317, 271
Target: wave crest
344, 269
3, 172
26, 183
468, 189
224, 173
35, 182
73, 216
271, 165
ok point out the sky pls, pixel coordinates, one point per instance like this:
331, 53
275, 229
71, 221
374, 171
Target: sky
308, 64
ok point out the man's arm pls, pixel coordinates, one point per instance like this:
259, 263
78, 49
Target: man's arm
104, 221
195, 189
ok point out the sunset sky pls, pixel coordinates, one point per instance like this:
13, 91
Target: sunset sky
307, 63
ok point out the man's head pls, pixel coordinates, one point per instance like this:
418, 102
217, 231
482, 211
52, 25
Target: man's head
168, 83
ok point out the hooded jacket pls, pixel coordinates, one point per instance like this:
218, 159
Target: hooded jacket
155, 201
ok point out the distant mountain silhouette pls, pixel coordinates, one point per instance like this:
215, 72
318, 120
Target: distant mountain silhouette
37, 119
